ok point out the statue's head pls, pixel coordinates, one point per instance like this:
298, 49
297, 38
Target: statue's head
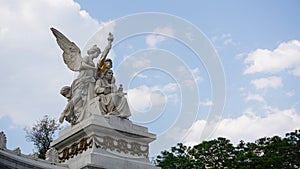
94, 51
66, 92
109, 74
109, 62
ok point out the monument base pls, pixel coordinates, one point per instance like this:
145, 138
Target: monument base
104, 142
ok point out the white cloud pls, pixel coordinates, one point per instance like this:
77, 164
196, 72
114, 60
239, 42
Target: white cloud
139, 98
241, 56
191, 76
170, 87
273, 82
285, 56
153, 39
140, 75
296, 71
248, 127
193, 134
228, 41
225, 39
196, 75
31, 68
175, 133
242, 89
141, 63
173, 98
207, 103
290, 93
142, 98
189, 36
255, 97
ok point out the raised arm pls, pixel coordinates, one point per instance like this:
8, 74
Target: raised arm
106, 51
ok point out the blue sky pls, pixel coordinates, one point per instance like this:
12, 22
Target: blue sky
170, 86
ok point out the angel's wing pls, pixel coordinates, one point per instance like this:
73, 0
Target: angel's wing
72, 54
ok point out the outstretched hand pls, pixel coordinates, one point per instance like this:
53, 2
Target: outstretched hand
110, 37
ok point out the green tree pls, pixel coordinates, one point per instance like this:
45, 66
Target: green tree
271, 152
267, 152
293, 154
247, 156
178, 158
41, 134
217, 153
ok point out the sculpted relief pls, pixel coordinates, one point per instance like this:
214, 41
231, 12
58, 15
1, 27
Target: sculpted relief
95, 82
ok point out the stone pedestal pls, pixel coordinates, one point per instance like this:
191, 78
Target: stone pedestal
104, 142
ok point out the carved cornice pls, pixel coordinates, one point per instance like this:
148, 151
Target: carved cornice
121, 145
75, 148
106, 143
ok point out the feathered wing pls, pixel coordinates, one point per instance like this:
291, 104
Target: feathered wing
72, 54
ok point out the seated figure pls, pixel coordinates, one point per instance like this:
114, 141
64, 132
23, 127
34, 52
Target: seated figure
111, 100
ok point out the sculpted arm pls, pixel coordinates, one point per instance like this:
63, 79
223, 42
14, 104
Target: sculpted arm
106, 51
108, 47
98, 88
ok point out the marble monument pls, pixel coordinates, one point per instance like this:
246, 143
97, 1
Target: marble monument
100, 134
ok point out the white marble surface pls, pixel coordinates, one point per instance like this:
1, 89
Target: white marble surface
116, 143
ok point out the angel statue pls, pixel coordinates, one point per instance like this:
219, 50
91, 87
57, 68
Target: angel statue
82, 88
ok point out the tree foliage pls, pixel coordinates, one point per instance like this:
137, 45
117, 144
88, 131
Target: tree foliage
41, 134
267, 152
